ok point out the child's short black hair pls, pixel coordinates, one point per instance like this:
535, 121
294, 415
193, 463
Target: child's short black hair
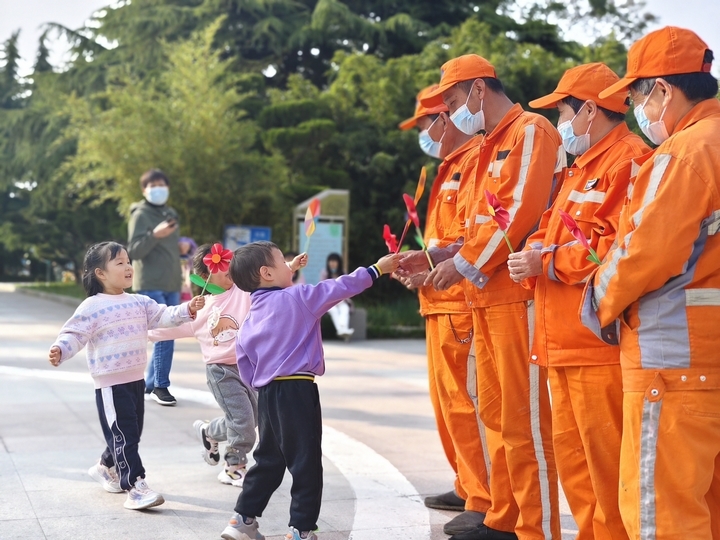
98, 256
247, 261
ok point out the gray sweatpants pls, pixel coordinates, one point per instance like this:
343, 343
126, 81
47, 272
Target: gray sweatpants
239, 403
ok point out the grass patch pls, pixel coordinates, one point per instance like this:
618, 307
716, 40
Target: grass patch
73, 290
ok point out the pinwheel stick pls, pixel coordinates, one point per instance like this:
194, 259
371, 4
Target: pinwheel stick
507, 241
402, 236
419, 239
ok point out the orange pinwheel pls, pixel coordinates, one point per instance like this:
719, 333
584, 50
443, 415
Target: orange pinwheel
500, 215
313, 211
572, 226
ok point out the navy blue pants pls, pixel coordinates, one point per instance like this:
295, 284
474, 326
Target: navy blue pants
290, 428
121, 409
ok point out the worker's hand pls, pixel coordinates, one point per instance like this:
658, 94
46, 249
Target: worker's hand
413, 262
55, 355
195, 304
298, 262
165, 228
444, 276
389, 263
412, 282
525, 264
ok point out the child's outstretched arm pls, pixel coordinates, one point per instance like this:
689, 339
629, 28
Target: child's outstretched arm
162, 316
298, 262
73, 336
321, 297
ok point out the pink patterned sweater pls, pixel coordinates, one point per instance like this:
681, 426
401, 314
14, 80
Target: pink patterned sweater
115, 329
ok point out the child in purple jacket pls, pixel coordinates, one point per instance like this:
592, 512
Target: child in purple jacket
279, 353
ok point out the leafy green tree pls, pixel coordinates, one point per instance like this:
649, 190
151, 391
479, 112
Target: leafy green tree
189, 125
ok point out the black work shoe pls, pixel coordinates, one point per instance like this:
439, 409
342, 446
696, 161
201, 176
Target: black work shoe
446, 501
467, 521
485, 533
163, 397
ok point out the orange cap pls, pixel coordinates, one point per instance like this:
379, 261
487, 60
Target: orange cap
463, 68
584, 82
421, 110
668, 51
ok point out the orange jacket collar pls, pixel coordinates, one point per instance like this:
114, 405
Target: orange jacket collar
469, 145
702, 110
600, 147
507, 120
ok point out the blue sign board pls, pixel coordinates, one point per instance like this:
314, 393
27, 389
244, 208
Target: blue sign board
239, 235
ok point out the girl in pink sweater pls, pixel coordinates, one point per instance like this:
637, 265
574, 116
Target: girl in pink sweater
114, 325
216, 328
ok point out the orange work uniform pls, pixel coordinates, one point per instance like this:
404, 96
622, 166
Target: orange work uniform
663, 283
519, 161
451, 367
585, 380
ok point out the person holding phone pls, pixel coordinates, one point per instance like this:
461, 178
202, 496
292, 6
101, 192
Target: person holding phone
153, 236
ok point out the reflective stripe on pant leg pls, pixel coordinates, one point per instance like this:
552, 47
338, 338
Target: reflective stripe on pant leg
122, 466
536, 432
540, 450
648, 455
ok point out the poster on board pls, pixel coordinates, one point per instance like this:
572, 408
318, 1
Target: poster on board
327, 239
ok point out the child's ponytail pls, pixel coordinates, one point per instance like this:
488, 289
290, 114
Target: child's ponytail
97, 256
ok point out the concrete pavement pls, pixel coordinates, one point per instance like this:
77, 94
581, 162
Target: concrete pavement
382, 453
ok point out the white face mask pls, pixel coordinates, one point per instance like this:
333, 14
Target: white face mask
655, 131
468, 122
576, 145
427, 144
157, 195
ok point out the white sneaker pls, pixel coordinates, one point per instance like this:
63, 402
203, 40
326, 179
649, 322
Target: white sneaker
233, 475
237, 529
140, 496
210, 452
294, 534
106, 476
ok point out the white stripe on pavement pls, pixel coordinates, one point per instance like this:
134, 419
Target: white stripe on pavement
387, 505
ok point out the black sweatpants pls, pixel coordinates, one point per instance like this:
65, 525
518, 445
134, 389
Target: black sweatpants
121, 409
290, 428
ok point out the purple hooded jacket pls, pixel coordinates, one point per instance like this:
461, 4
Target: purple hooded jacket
281, 334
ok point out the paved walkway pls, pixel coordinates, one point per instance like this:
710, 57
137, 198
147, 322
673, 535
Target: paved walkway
382, 453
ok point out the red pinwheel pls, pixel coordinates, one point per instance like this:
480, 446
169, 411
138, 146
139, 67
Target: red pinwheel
390, 239
218, 260
572, 226
412, 210
500, 215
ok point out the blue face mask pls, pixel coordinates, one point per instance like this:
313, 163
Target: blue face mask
576, 145
468, 122
655, 131
427, 144
157, 195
